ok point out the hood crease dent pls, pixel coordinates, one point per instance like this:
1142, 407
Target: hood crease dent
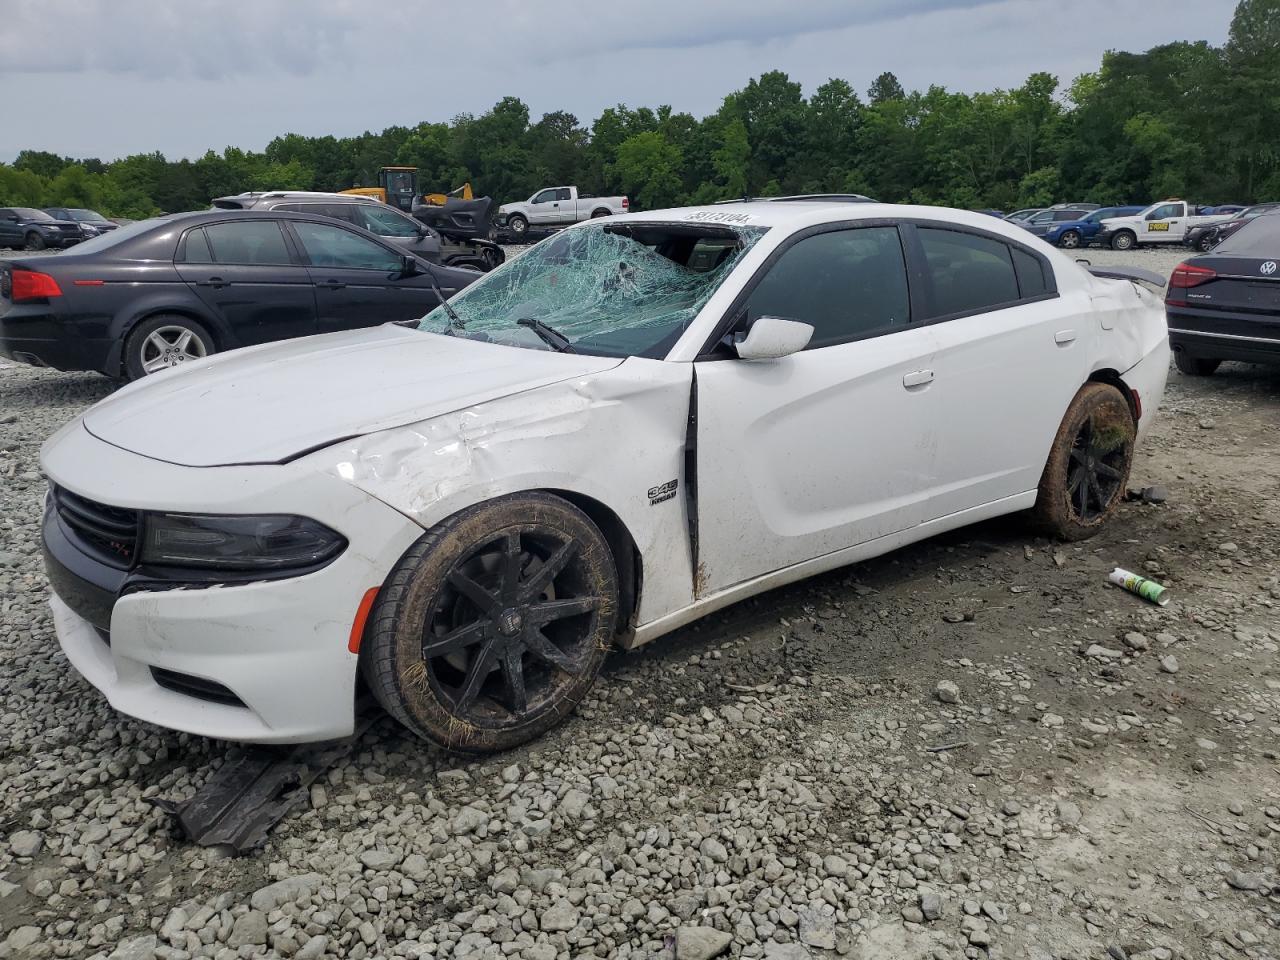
280, 401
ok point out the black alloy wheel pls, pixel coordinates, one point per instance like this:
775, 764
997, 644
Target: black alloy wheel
495, 624
1097, 470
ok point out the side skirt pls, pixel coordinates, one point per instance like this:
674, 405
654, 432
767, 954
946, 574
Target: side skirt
831, 561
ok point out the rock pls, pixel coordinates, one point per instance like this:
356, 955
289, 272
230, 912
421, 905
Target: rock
416, 867
25, 843
284, 891
144, 947
1227, 547
574, 803
1136, 641
505, 881
560, 916
947, 692
930, 905
1238, 880
1068, 813
1169, 663
786, 951
469, 820
1051, 720
1098, 651
1206, 423
701, 943
912, 915
714, 850
379, 859
1235, 808
835, 866
249, 930
817, 929
1155, 494
313, 949
22, 937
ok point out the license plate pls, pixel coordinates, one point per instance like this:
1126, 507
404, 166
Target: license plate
1157, 227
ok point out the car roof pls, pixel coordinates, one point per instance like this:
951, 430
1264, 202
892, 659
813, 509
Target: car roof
222, 213
251, 198
763, 213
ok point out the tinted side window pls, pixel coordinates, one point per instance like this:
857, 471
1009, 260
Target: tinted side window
1031, 280
562, 193
1063, 216
1166, 211
847, 283
334, 247
384, 221
196, 248
255, 242
968, 272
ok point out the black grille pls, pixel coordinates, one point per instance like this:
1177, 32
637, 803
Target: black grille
108, 533
197, 687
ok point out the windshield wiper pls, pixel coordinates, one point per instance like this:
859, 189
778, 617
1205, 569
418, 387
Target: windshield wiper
455, 321
554, 339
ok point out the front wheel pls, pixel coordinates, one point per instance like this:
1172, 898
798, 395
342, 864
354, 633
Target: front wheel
1124, 240
1088, 467
34, 242
495, 624
1070, 240
1194, 366
518, 226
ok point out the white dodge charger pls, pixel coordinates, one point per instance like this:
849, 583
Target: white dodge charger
642, 419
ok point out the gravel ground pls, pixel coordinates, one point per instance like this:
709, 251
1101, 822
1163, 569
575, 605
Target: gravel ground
973, 747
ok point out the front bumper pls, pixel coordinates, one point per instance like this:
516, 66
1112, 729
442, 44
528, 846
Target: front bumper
264, 662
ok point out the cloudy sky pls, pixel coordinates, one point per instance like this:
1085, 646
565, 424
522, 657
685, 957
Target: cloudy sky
107, 78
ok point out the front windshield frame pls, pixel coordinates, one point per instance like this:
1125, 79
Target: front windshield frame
565, 288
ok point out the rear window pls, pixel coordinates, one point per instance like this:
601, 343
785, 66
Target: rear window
1030, 271
1259, 237
968, 272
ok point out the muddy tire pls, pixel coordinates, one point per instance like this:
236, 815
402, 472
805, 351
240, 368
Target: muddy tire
1124, 240
494, 625
1194, 366
1088, 468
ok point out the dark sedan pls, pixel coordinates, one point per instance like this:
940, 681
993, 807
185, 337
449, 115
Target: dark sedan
23, 228
91, 222
158, 293
1207, 237
1225, 305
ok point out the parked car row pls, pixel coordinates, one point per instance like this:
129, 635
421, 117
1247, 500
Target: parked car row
54, 228
1072, 225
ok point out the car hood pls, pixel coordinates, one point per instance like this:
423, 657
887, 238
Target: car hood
272, 403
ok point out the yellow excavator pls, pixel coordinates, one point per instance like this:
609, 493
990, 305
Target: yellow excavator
398, 186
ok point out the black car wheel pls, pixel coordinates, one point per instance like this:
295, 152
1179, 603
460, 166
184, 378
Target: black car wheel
34, 241
518, 226
1205, 243
1194, 366
1070, 239
1088, 465
164, 341
494, 625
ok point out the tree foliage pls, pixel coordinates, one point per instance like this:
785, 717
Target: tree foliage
1184, 119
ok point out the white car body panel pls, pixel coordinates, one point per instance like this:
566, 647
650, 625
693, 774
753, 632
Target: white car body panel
788, 467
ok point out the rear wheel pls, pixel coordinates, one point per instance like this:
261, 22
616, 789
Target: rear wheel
1205, 243
1194, 366
1070, 239
495, 624
1124, 240
34, 242
164, 341
1089, 463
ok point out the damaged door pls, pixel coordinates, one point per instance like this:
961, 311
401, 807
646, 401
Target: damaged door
830, 447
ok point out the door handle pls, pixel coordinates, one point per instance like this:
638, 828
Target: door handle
917, 378
330, 284
215, 282
1063, 337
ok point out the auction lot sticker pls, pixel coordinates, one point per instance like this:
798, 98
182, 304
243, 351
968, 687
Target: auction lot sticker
720, 216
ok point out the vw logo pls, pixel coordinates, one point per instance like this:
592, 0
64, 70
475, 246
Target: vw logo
1269, 268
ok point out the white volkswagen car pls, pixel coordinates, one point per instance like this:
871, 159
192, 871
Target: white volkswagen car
637, 422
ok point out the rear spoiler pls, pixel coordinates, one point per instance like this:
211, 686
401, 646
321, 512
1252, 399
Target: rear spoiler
1125, 273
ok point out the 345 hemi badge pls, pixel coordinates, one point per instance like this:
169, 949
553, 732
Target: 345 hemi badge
662, 492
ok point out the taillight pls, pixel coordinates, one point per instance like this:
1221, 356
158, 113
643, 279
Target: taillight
1186, 275
625, 203
30, 285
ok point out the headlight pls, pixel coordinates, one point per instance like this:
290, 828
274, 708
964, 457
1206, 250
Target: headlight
86, 228
256, 542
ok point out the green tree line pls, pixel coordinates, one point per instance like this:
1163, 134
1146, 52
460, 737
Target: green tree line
1184, 119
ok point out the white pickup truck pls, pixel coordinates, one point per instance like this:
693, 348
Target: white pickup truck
1166, 221
557, 207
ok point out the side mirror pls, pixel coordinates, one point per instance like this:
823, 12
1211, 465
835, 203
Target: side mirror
409, 266
772, 337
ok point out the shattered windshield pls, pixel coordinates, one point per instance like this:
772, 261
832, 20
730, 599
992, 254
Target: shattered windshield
626, 289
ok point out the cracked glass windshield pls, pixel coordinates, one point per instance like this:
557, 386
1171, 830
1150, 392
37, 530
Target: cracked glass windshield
609, 289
